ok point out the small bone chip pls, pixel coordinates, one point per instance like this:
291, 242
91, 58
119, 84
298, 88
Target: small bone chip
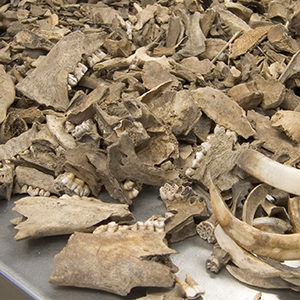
115, 259
46, 216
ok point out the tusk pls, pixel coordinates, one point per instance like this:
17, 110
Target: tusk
281, 176
272, 245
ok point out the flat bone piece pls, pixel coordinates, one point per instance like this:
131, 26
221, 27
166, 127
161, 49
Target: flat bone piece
113, 260
223, 110
47, 84
47, 216
276, 246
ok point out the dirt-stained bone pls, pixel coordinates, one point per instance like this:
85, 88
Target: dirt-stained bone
46, 216
108, 252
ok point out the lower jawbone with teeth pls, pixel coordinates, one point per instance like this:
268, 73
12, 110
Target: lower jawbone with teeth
71, 184
272, 245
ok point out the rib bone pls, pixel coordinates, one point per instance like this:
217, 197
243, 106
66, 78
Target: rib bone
276, 246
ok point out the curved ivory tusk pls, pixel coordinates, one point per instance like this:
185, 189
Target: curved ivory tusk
276, 246
283, 177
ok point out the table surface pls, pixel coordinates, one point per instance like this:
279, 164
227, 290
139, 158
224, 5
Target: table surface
28, 263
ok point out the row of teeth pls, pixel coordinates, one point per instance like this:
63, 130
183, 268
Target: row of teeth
156, 226
190, 287
206, 231
81, 69
74, 184
32, 191
170, 192
205, 147
129, 186
75, 77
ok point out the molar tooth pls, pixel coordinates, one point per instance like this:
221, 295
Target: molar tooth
128, 185
73, 186
189, 172
41, 192
30, 190
141, 225
135, 227
24, 188
78, 190
79, 182
47, 194
205, 146
72, 80
86, 190
25, 152
7, 161
80, 70
170, 196
133, 193
67, 177
112, 227
69, 126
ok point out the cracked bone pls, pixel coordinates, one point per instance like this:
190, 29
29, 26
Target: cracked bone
276, 246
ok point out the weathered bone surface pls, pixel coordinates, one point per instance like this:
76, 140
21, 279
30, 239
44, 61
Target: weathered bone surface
185, 204
37, 180
107, 254
46, 216
47, 84
231, 116
288, 122
6, 180
7, 93
294, 212
277, 246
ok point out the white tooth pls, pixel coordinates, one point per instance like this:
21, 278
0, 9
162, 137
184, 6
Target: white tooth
189, 172
79, 182
134, 227
7, 161
170, 196
86, 190
24, 188
112, 227
141, 225
26, 152
42, 192
72, 80
69, 183
133, 193
30, 190
205, 146
78, 190
128, 185
80, 70
47, 194
162, 194
159, 226
73, 186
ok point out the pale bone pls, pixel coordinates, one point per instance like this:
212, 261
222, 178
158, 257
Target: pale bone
57, 128
36, 179
218, 259
191, 288
70, 184
241, 257
292, 68
144, 15
96, 57
232, 116
47, 84
108, 254
253, 200
7, 93
289, 122
276, 246
281, 176
254, 279
47, 216
206, 228
294, 212
271, 224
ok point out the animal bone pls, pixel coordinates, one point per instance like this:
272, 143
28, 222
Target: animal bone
107, 265
269, 171
276, 246
45, 216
